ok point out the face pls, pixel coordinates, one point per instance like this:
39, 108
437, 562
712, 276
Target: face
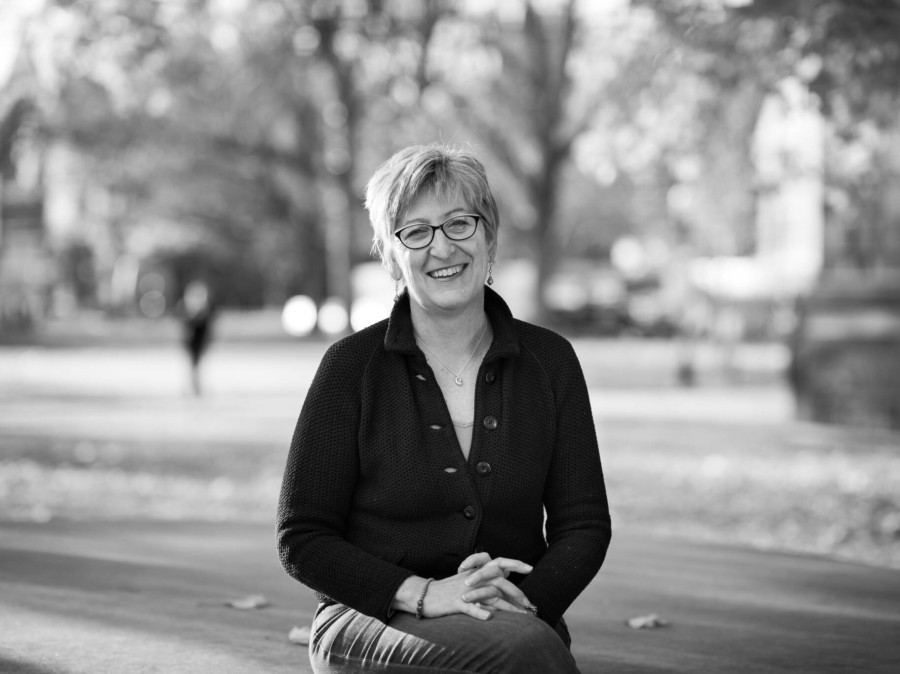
445, 275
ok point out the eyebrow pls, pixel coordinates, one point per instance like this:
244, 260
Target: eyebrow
413, 221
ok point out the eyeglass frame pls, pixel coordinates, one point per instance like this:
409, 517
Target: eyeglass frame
434, 228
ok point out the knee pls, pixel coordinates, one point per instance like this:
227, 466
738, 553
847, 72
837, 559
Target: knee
533, 646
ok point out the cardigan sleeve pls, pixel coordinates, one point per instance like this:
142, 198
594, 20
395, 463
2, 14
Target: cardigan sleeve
578, 524
318, 489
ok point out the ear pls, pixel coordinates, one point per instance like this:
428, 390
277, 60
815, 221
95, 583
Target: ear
389, 263
491, 244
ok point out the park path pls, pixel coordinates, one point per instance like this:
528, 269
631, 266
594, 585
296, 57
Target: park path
117, 598
123, 592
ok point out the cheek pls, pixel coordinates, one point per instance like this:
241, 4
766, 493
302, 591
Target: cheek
403, 264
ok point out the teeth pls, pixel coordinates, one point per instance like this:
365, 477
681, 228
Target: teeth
443, 273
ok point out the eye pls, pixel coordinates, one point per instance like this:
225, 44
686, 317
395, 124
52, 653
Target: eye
458, 225
415, 234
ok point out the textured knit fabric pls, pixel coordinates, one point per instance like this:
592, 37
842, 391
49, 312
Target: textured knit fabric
377, 489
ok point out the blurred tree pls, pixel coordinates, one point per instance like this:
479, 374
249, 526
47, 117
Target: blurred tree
13, 116
246, 130
239, 126
363, 56
848, 53
524, 109
596, 88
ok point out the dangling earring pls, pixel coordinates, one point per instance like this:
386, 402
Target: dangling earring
396, 290
490, 273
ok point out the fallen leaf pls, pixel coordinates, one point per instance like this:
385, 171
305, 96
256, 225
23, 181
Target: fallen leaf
299, 635
646, 622
251, 601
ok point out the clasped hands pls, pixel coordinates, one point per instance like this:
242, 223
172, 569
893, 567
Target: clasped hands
480, 587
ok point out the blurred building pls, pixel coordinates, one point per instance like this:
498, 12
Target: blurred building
789, 154
836, 255
25, 265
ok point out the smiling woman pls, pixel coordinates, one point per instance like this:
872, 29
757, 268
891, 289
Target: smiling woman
430, 446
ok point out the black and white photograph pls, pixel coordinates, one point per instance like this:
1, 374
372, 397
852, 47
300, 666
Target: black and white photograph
449, 336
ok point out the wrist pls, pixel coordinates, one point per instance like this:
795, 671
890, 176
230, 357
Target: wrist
407, 594
420, 603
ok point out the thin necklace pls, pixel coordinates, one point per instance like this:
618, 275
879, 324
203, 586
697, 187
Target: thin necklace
457, 378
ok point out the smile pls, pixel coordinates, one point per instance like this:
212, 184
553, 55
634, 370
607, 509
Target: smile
446, 272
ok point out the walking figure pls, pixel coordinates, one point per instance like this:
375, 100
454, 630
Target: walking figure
198, 315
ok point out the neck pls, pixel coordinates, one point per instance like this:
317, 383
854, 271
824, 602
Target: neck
457, 331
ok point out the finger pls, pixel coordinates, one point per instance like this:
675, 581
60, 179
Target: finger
511, 565
510, 592
475, 610
482, 593
474, 561
503, 605
486, 574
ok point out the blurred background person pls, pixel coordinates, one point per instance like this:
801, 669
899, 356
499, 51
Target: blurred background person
197, 314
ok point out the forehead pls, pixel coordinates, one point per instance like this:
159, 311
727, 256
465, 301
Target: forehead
433, 205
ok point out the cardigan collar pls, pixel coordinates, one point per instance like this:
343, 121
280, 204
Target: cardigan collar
399, 335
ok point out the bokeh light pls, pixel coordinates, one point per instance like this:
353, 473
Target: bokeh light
152, 304
366, 311
298, 318
333, 318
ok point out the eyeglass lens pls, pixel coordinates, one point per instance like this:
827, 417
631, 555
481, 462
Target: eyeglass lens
457, 228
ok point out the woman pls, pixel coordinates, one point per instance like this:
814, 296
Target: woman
430, 445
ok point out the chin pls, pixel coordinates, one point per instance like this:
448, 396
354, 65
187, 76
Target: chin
456, 299
448, 299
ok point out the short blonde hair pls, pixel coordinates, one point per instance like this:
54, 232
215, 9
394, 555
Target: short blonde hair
446, 170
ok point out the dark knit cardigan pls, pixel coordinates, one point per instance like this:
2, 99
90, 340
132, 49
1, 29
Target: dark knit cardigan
376, 488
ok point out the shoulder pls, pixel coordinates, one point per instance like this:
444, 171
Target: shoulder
352, 354
544, 344
550, 353
555, 357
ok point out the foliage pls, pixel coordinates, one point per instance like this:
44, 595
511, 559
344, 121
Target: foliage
847, 54
251, 127
846, 50
236, 125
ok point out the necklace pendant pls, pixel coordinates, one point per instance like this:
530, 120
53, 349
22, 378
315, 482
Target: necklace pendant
458, 380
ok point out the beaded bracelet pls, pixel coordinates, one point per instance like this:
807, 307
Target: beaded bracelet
420, 605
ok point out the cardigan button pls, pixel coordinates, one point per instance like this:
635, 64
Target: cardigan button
490, 377
490, 422
469, 512
483, 468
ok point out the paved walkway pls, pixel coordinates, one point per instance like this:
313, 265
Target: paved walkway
115, 432
151, 597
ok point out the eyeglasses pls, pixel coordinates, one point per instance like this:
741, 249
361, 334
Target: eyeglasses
457, 228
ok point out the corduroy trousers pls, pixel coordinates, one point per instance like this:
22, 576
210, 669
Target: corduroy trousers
345, 641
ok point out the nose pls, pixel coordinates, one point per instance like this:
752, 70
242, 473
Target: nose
441, 246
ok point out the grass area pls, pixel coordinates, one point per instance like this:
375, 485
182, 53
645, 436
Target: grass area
43, 479
794, 487
99, 434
